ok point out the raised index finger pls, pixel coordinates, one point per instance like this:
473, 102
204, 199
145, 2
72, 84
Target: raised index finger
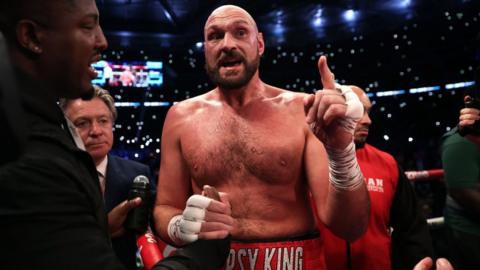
328, 79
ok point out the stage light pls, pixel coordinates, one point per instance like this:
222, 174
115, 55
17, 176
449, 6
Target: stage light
350, 15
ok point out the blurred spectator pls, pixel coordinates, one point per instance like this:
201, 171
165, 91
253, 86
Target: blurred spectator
461, 163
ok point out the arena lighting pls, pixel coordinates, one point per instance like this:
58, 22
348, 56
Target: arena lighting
459, 85
279, 29
145, 104
317, 18
124, 33
390, 93
156, 104
127, 104
404, 3
317, 22
424, 89
350, 15
199, 45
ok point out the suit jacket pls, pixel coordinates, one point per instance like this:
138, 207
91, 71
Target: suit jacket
52, 214
119, 178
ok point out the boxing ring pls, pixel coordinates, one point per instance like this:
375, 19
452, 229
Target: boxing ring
428, 175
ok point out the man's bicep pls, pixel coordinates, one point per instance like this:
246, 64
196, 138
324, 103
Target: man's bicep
173, 187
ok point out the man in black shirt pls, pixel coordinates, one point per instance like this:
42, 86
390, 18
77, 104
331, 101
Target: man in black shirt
51, 208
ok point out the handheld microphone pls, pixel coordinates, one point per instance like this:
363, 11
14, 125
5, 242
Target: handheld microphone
137, 218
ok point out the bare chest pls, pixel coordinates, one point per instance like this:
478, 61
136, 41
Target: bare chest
223, 149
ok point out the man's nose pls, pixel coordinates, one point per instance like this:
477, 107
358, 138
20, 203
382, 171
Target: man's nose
95, 129
101, 41
228, 42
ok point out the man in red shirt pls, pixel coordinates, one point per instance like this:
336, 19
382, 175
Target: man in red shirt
393, 206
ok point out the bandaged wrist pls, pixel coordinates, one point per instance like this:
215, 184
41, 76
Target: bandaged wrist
344, 173
184, 228
354, 108
175, 231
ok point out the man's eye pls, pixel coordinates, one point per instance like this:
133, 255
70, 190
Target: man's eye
104, 121
241, 32
213, 36
81, 124
89, 26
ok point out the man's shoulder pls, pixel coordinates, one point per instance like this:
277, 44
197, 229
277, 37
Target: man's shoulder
191, 105
453, 137
455, 143
286, 97
122, 162
379, 153
284, 92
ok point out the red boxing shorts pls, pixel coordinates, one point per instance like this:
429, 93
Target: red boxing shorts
301, 254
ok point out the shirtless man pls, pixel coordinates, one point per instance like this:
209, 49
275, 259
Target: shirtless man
264, 147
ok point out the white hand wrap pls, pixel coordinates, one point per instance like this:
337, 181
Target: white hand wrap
345, 173
184, 229
354, 108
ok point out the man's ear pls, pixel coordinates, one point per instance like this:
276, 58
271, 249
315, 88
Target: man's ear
29, 35
261, 43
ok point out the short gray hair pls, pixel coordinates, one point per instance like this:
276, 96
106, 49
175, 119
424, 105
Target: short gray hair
100, 93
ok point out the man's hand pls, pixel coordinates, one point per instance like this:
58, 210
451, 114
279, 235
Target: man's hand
117, 216
332, 113
203, 218
427, 263
218, 222
467, 118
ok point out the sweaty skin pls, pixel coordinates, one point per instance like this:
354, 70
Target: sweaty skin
251, 141
246, 154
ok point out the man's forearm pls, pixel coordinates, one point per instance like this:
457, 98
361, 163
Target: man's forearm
162, 215
348, 212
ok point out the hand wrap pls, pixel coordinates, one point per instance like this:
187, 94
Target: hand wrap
345, 173
184, 228
354, 108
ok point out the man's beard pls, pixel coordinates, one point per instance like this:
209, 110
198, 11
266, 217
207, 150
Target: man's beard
226, 83
360, 143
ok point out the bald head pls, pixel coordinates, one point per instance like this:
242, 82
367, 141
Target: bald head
233, 47
360, 93
361, 129
227, 11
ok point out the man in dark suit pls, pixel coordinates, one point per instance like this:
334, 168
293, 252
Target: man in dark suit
52, 215
93, 123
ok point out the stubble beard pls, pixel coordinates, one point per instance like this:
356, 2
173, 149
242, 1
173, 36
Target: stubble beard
360, 142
